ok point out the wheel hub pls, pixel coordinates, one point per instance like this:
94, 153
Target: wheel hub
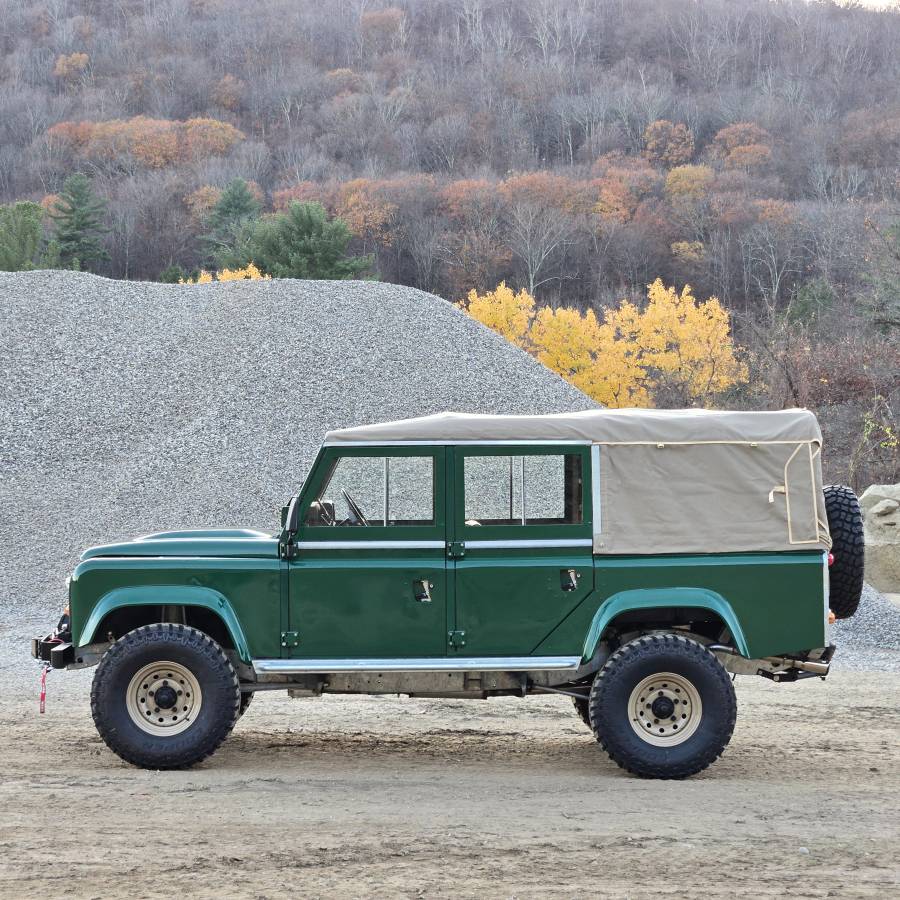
166, 697
163, 698
665, 709
662, 707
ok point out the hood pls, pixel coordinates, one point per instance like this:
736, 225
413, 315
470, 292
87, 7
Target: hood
228, 542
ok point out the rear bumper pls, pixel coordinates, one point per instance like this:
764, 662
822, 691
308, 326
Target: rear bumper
52, 650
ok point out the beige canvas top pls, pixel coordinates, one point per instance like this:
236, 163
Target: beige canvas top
666, 481
596, 426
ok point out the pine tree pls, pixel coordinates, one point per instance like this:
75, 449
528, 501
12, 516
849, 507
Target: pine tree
78, 217
20, 236
229, 223
304, 243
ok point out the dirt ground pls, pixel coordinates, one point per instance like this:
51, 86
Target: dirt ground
349, 797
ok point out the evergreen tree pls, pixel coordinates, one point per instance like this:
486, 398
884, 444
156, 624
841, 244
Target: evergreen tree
20, 236
304, 243
78, 217
229, 223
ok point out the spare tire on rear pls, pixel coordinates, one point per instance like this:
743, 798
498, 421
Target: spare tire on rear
848, 548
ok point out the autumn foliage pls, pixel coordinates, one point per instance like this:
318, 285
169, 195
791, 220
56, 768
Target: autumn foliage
673, 349
154, 143
248, 273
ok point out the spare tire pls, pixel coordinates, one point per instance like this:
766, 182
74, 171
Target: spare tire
848, 549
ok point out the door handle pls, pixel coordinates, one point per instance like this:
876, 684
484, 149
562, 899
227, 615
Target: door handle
422, 590
568, 579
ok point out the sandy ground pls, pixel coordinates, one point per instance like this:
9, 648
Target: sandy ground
341, 797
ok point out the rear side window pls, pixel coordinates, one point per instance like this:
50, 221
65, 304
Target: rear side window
376, 491
545, 489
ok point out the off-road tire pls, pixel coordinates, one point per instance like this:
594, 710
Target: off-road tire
848, 548
246, 697
630, 666
188, 648
582, 707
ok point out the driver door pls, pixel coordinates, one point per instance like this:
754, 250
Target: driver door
369, 579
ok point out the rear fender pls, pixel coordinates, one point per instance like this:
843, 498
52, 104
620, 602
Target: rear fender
670, 598
168, 595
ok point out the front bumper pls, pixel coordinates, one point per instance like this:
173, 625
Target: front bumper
53, 650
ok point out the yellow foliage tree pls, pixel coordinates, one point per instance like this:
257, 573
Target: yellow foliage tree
506, 313
249, 273
674, 350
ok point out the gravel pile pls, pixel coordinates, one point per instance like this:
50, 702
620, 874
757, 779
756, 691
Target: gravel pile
132, 407
871, 639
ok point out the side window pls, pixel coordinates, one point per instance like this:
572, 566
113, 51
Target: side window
376, 491
544, 489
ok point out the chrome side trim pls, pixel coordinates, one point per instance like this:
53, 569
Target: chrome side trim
534, 543
371, 545
448, 664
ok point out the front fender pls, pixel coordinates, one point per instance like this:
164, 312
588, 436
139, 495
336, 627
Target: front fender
169, 595
667, 598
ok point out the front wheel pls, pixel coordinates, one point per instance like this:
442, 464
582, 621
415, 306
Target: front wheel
663, 706
164, 696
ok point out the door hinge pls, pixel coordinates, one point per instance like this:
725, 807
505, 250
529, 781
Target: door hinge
290, 638
456, 639
456, 549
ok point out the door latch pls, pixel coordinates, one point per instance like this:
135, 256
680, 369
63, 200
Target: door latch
290, 639
456, 549
568, 579
422, 590
456, 639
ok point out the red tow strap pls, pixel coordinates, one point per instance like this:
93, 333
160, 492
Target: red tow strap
43, 703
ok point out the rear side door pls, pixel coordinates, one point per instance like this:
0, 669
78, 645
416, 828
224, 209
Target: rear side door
521, 547
369, 576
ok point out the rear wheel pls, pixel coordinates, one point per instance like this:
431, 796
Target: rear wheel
848, 549
663, 706
164, 696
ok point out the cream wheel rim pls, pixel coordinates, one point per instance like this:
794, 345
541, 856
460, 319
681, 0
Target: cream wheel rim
163, 698
665, 709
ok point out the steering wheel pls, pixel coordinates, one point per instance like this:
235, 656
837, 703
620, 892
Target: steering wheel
354, 508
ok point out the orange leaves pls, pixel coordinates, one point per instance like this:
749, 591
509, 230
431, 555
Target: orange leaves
743, 145
72, 66
302, 192
205, 137
547, 189
673, 350
202, 200
154, 143
668, 145
366, 213
470, 199
622, 184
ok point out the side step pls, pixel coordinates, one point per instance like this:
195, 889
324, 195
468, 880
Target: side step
431, 664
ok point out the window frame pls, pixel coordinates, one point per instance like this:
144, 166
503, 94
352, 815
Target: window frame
527, 531
322, 471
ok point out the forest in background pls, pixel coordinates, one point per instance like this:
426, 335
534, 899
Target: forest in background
579, 149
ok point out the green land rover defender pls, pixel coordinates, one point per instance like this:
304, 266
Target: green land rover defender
632, 560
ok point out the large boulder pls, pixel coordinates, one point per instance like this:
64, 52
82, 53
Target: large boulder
880, 506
